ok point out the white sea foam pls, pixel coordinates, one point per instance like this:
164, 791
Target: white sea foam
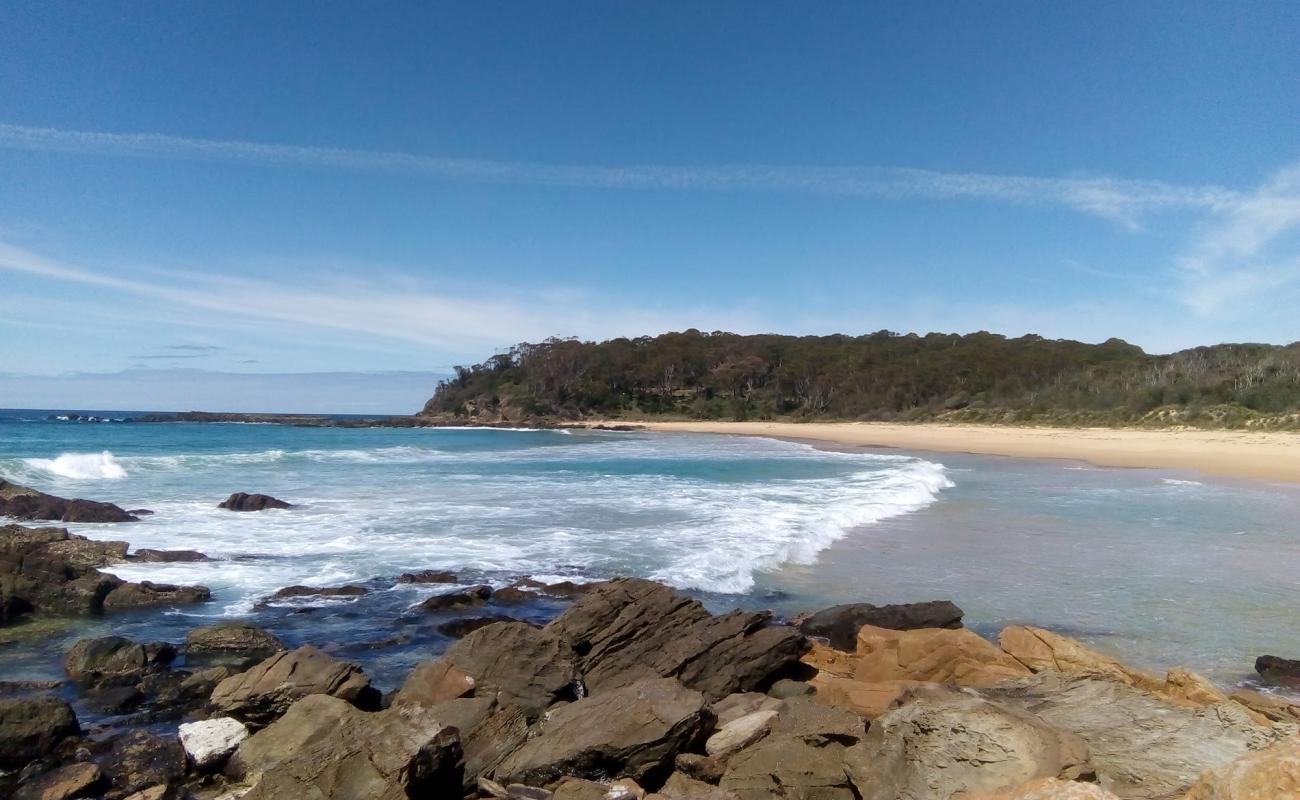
706, 513
1178, 482
80, 466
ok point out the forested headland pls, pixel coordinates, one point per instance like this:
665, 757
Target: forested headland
979, 377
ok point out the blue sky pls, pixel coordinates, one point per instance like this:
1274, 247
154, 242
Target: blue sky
396, 188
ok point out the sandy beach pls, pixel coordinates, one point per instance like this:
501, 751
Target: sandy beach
1241, 454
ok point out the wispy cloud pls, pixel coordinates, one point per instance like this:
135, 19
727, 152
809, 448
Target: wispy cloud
1249, 250
1121, 200
411, 312
195, 348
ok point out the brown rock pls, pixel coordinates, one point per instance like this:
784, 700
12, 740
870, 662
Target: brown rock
427, 576
532, 668
510, 594
325, 748
1270, 774
630, 732
51, 571
21, 502
630, 629
434, 682
30, 727
114, 660
1041, 650
319, 591
786, 766
240, 501
867, 700
579, 789
740, 704
817, 723
235, 640
463, 626
149, 555
567, 589
840, 624
461, 598
683, 787
147, 593
1051, 789
791, 688
65, 783
138, 760
932, 654
266, 691
944, 742
1141, 744
1270, 706
700, 768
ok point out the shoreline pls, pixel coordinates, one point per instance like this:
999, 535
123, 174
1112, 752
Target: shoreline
1271, 456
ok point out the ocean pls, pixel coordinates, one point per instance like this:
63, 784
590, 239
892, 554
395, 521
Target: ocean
1157, 567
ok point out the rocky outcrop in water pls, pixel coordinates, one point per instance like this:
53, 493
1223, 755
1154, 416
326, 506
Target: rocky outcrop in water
151, 556
1278, 670
114, 660
461, 598
236, 643
50, 571
241, 501
840, 624
24, 503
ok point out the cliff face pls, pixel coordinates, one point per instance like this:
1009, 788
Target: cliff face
979, 377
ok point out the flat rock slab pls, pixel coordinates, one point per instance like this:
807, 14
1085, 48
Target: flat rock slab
630, 732
324, 747
945, 742
267, 690
629, 629
1141, 746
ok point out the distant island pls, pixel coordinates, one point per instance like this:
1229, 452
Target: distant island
884, 376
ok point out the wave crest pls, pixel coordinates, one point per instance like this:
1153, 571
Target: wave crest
81, 466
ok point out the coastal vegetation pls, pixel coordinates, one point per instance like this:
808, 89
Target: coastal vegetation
885, 376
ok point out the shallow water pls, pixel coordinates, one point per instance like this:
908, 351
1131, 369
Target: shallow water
1159, 567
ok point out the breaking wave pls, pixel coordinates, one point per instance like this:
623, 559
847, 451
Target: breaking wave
80, 466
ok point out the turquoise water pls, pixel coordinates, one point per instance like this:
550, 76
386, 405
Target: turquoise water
1160, 567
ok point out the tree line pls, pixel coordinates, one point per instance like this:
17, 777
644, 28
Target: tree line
879, 376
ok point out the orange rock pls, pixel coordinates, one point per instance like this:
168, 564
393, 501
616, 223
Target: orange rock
1050, 789
869, 700
1042, 650
433, 682
1270, 774
1183, 685
940, 655
1272, 707
830, 661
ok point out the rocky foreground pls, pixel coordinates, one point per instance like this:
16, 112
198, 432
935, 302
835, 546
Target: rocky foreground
637, 691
